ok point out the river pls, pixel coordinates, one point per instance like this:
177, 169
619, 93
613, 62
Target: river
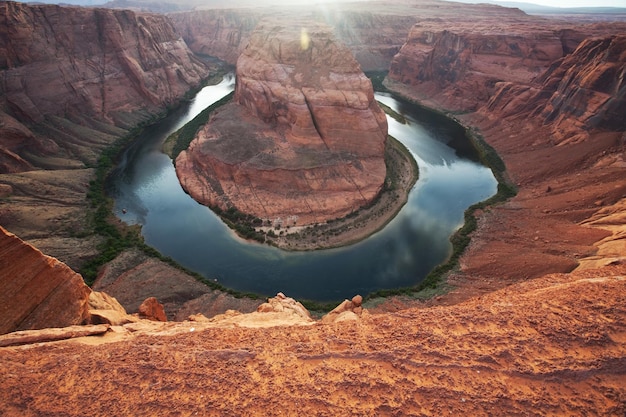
147, 192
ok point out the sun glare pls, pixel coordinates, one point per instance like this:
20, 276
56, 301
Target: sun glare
305, 40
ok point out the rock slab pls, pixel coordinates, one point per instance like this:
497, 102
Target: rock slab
38, 291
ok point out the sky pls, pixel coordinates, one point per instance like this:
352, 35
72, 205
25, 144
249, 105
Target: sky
581, 3
573, 3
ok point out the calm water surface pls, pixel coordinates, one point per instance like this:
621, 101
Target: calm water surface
145, 185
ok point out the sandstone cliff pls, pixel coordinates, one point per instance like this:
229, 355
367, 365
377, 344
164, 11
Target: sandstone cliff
465, 64
583, 91
79, 72
219, 33
552, 345
461, 63
558, 133
305, 140
72, 81
37, 291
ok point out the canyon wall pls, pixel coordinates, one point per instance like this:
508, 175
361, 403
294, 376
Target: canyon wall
219, 33
462, 66
580, 92
373, 37
305, 140
72, 81
81, 73
547, 100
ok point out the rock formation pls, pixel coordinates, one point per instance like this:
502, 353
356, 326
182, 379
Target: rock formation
582, 91
557, 131
552, 345
282, 303
71, 69
105, 309
37, 291
466, 63
151, 309
304, 142
72, 81
133, 277
219, 33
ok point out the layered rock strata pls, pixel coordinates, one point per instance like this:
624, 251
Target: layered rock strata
465, 64
37, 291
303, 142
72, 81
580, 92
461, 64
80, 71
562, 140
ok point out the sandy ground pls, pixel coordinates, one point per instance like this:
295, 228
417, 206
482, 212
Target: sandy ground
551, 346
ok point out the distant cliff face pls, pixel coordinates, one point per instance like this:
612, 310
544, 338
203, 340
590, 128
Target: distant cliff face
373, 37
86, 66
219, 33
463, 66
305, 140
579, 92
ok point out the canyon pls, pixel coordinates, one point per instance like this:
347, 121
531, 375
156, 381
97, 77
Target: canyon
304, 140
74, 81
533, 319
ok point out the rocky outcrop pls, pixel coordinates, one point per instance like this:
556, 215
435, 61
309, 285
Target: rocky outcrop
373, 34
563, 145
27, 337
346, 311
105, 309
304, 142
582, 91
551, 346
75, 70
611, 249
37, 291
282, 303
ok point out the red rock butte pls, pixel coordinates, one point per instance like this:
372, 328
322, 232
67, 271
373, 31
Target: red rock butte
304, 140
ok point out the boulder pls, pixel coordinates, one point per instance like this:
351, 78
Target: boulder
105, 309
347, 310
151, 309
282, 303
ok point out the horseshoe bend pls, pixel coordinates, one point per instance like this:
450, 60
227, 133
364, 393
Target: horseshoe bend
304, 140
530, 321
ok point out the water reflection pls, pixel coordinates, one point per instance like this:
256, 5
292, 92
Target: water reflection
145, 185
